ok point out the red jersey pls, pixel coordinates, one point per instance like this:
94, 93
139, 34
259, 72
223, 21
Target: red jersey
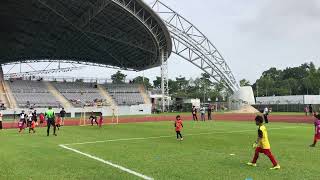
41, 117
178, 125
20, 124
317, 126
33, 124
58, 121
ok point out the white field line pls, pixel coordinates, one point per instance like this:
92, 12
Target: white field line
143, 138
108, 163
159, 137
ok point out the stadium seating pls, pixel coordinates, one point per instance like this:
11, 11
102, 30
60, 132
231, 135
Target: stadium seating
125, 94
36, 93
79, 93
32, 93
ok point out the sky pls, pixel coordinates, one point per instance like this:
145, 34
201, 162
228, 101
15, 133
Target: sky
251, 35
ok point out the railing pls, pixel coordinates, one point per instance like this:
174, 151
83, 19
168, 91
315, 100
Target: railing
69, 79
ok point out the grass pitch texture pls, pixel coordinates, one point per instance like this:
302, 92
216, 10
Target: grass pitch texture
151, 149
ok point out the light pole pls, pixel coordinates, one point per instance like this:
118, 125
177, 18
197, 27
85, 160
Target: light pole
217, 99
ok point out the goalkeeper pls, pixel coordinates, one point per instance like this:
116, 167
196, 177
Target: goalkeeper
262, 145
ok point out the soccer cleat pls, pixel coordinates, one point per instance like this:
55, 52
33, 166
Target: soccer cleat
181, 139
55, 134
251, 164
275, 167
312, 145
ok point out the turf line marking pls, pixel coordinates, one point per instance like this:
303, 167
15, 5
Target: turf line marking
108, 163
159, 137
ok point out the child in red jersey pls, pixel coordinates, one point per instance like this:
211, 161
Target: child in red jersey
317, 130
100, 119
21, 125
32, 126
42, 118
58, 122
178, 126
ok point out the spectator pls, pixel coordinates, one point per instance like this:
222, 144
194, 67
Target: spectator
1, 120
209, 112
203, 113
62, 115
310, 110
306, 110
194, 113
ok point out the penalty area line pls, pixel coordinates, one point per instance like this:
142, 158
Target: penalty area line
108, 163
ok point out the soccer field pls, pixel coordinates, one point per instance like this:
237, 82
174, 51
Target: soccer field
150, 150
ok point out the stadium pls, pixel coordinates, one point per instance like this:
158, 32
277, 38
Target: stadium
129, 142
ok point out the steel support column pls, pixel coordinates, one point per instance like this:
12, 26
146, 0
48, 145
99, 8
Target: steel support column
164, 81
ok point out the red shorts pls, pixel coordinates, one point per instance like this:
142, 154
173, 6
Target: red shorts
317, 136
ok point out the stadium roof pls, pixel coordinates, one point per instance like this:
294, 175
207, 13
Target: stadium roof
120, 33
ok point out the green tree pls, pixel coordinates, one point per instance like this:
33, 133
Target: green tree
145, 81
303, 79
244, 82
157, 83
118, 78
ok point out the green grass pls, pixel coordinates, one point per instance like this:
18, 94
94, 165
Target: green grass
36, 156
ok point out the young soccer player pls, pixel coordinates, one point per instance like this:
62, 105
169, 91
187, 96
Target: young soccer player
262, 145
317, 130
22, 117
29, 121
100, 119
58, 122
93, 118
32, 126
42, 118
178, 125
21, 125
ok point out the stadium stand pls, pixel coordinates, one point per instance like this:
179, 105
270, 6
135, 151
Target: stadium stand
125, 94
32, 94
79, 93
29, 93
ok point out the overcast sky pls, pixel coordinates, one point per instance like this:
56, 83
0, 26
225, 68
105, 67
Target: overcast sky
251, 35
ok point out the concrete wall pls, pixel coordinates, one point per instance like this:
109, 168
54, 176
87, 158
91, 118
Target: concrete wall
298, 99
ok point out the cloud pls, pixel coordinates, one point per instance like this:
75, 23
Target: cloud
284, 19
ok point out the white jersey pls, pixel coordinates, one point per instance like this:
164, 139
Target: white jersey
22, 115
30, 117
265, 111
1, 116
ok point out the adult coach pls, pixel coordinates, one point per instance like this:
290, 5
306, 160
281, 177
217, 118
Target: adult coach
62, 115
50, 120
